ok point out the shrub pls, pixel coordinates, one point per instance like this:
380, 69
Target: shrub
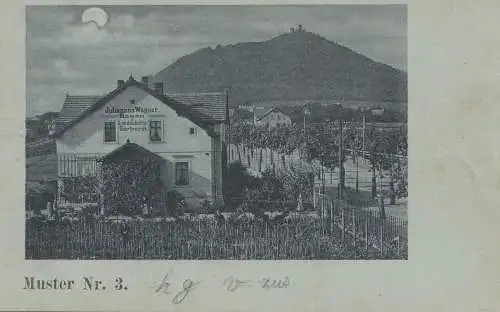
236, 181
37, 194
206, 207
76, 187
176, 205
129, 184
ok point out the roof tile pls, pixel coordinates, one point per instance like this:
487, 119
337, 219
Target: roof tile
208, 106
212, 105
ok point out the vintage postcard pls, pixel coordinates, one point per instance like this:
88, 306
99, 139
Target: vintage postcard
151, 134
275, 136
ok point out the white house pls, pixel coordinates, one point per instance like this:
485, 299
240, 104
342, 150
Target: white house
377, 111
273, 118
185, 132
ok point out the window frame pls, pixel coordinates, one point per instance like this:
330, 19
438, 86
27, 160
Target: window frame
188, 173
162, 134
115, 124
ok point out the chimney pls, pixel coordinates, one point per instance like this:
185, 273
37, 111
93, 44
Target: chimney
158, 87
120, 83
145, 79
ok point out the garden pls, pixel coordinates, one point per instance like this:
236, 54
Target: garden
259, 221
269, 215
384, 149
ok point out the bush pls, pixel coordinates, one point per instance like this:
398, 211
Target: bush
236, 181
271, 191
38, 194
75, 187
129, 184
176, 205
206, 207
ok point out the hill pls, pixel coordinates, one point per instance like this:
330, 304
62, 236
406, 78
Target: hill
290, 67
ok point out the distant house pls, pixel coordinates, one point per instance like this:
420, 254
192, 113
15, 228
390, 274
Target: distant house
272, 118
242, 116
247, 107
183, 133
377, 111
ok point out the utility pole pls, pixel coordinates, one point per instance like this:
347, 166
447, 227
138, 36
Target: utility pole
374, 178
341, 162
391, 185
305, 112
357, 173
356, 159
363, 146
323, 175
254, 116
381, 189
304, 124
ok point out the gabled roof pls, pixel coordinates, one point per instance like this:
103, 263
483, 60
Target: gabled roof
74, 106
204, 109
211, 104
127, 148
274, 109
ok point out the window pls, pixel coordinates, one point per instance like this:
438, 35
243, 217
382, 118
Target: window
109, 131
192, 131
155, 130
132, 101
181, 173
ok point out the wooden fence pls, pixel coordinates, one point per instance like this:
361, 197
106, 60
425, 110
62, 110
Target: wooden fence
348, 233
387, 235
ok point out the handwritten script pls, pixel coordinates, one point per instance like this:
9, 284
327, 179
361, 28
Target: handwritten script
187, 286
182, 289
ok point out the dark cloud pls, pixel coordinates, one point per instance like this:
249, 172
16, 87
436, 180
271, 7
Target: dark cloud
65, 56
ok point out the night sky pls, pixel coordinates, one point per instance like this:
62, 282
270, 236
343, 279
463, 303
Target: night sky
66, 56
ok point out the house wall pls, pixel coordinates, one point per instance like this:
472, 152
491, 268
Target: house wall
87, 137
218, 144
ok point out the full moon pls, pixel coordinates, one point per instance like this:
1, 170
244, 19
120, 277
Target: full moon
95, 15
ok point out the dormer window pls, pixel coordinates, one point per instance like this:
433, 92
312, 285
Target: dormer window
132, 102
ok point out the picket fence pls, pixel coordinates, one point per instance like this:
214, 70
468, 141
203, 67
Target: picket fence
336, 233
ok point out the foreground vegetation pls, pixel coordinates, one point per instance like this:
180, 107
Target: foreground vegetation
297, 238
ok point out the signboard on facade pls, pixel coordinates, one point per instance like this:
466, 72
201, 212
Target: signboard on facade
132, 119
